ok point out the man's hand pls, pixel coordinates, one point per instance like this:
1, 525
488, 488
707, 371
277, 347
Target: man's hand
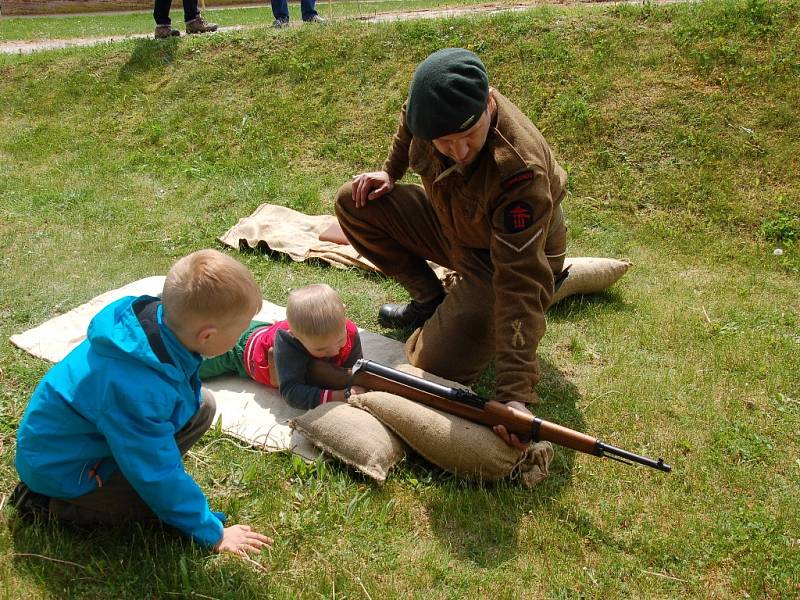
371, 186
240, 539
511, 438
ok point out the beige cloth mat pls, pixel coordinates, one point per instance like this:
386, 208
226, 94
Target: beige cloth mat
249, 411
287, 231
296, 234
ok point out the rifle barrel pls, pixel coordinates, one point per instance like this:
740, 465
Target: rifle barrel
604, 449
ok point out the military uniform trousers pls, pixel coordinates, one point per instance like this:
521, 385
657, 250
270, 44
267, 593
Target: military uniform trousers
399, 232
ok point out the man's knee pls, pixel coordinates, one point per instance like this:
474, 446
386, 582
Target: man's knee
430, 355
344, 200
459, 355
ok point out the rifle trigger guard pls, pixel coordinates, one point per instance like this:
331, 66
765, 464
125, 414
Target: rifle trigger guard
535, 426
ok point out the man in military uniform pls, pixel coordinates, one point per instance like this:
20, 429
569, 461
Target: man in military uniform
489, 208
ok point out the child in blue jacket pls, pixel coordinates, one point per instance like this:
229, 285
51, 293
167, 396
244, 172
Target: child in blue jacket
103, 436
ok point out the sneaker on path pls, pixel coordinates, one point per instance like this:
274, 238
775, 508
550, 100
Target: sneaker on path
200, 25
166, 31
315, 19
280, 23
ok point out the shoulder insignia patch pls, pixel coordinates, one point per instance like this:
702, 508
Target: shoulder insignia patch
518, 216
517, 179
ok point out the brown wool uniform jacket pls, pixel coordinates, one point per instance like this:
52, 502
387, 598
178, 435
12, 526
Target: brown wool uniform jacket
503, 203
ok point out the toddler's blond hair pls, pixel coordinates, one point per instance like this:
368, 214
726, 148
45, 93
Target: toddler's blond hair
210, 285
315, 310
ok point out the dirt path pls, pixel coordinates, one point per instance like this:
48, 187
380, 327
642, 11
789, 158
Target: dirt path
29, 46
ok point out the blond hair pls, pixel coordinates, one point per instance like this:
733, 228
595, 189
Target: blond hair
208, 284
315, 310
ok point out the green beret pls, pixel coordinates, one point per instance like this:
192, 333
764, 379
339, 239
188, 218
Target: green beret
448, 93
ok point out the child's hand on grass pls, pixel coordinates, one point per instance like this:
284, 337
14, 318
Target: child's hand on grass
241, 539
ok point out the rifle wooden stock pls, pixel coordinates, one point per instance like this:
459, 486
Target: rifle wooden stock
324, 374
381, 384
468, 405
493, 413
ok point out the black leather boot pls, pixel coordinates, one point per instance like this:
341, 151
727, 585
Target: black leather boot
413, 314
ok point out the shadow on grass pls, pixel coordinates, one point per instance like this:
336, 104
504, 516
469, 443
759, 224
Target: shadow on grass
481, 523
149, 54
580, 307
121, 561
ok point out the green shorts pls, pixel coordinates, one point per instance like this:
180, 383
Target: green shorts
233, 360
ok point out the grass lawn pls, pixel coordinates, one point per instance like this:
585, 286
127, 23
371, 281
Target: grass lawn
680, 128
75, 26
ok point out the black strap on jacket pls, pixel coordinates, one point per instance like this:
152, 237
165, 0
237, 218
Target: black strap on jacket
147, 313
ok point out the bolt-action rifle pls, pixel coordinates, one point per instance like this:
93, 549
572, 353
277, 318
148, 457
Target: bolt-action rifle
471, 406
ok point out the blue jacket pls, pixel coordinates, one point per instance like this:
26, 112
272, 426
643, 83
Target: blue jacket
118, 399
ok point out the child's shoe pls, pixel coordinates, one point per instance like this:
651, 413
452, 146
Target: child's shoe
29, 503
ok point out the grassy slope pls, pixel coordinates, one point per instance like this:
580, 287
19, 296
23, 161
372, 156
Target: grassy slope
680, 131
72, 26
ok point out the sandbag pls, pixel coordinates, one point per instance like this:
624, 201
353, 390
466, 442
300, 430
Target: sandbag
590, 275
353, 436
468, 449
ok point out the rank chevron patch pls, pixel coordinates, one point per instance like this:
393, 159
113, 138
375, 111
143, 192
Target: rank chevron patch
519, 248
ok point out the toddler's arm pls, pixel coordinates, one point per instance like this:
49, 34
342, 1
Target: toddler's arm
292, 361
